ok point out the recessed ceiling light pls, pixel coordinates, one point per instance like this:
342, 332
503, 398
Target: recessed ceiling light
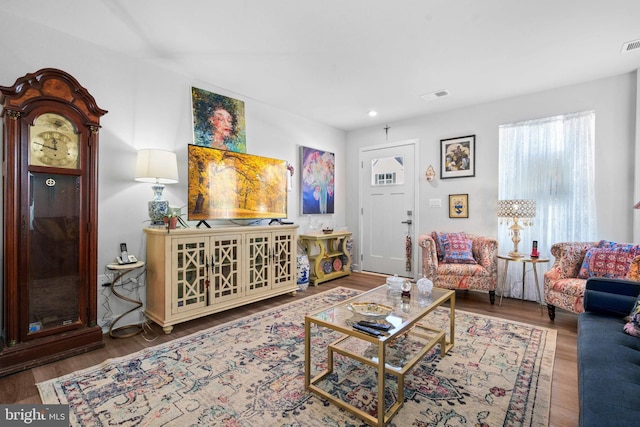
435, 95
373, 113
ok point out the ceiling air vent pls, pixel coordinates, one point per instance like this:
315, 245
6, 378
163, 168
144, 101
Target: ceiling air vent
629, 46
435, 95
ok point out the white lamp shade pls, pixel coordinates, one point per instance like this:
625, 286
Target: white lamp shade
157, 166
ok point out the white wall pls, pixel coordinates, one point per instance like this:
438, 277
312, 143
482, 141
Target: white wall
151, 107
613, 99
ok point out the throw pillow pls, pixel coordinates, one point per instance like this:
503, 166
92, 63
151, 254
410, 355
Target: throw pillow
457, 249
606, 244
439, 244
632, 327
612, 261
634, 272
441, 238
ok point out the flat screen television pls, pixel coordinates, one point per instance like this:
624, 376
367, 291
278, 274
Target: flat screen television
230, 185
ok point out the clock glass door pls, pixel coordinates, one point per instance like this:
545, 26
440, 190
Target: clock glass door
54, 274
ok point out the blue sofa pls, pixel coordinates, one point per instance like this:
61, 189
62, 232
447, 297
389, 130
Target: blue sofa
608, 358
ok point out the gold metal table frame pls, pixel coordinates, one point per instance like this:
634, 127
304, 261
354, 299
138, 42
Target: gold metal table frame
405, 319
524, 260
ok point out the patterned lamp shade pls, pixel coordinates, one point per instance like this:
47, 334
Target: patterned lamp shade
516, 208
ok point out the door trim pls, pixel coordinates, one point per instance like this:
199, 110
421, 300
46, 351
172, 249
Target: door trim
417, 267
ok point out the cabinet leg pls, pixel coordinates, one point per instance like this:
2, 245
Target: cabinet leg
293, 293
167, 329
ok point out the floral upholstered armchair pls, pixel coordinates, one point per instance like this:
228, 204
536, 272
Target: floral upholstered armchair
460, 261
575, 262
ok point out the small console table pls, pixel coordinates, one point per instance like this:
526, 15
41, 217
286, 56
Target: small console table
328, 255
120, 271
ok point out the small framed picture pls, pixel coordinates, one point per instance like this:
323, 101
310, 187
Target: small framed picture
458, 206
458, 157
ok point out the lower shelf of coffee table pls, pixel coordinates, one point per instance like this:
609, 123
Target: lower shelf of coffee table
400, 356
422, 339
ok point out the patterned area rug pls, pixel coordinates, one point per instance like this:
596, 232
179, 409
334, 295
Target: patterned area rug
250, 372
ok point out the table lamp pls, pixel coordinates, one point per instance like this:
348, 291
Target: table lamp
158, 167
513, 211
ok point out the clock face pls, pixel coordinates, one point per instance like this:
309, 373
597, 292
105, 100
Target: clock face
54, 142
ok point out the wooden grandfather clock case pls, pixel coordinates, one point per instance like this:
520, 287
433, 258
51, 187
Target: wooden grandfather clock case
50, 206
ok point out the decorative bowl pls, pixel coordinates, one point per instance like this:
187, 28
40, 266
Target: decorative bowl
327, 230
395, 282
370, 309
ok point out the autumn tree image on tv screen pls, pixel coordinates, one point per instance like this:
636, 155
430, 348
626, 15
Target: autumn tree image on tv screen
230, 185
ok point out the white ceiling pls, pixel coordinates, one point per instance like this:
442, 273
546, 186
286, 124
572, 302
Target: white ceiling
334, 60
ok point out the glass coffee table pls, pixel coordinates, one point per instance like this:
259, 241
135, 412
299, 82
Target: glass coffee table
404, 316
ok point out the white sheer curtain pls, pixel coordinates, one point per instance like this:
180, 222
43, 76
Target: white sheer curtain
551, 161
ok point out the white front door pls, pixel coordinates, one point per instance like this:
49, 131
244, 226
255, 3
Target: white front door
388, 216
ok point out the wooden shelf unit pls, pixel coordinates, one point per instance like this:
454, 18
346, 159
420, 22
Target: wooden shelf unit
196, 272
322, 248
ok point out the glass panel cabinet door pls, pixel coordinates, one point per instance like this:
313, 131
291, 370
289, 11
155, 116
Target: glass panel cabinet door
226, 280
53, 280
283, 247
190, 274
258, 257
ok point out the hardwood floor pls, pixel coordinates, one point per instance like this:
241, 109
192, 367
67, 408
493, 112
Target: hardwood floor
20, 387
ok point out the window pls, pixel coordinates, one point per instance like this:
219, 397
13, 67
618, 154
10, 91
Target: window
385, 178
549, 160
387, 171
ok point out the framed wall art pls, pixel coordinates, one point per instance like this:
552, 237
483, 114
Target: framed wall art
318, 175
457, 157
458, 206
218, 121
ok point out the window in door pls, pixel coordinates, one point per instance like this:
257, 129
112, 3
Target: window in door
387, 171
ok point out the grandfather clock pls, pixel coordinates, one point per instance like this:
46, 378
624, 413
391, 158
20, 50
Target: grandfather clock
50, 204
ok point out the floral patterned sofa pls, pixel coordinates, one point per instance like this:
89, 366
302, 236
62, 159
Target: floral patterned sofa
564, 282
452, 267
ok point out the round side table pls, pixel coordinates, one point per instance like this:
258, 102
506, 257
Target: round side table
524, 260
120, 271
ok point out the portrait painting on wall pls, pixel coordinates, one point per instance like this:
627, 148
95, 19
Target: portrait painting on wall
318, 179
218, 121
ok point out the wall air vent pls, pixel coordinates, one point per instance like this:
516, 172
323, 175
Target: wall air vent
435, 95
629, 46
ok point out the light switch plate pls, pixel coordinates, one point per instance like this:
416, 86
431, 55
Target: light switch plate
435, 203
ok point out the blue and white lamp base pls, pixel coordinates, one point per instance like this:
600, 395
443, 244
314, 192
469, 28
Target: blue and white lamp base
158, 208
